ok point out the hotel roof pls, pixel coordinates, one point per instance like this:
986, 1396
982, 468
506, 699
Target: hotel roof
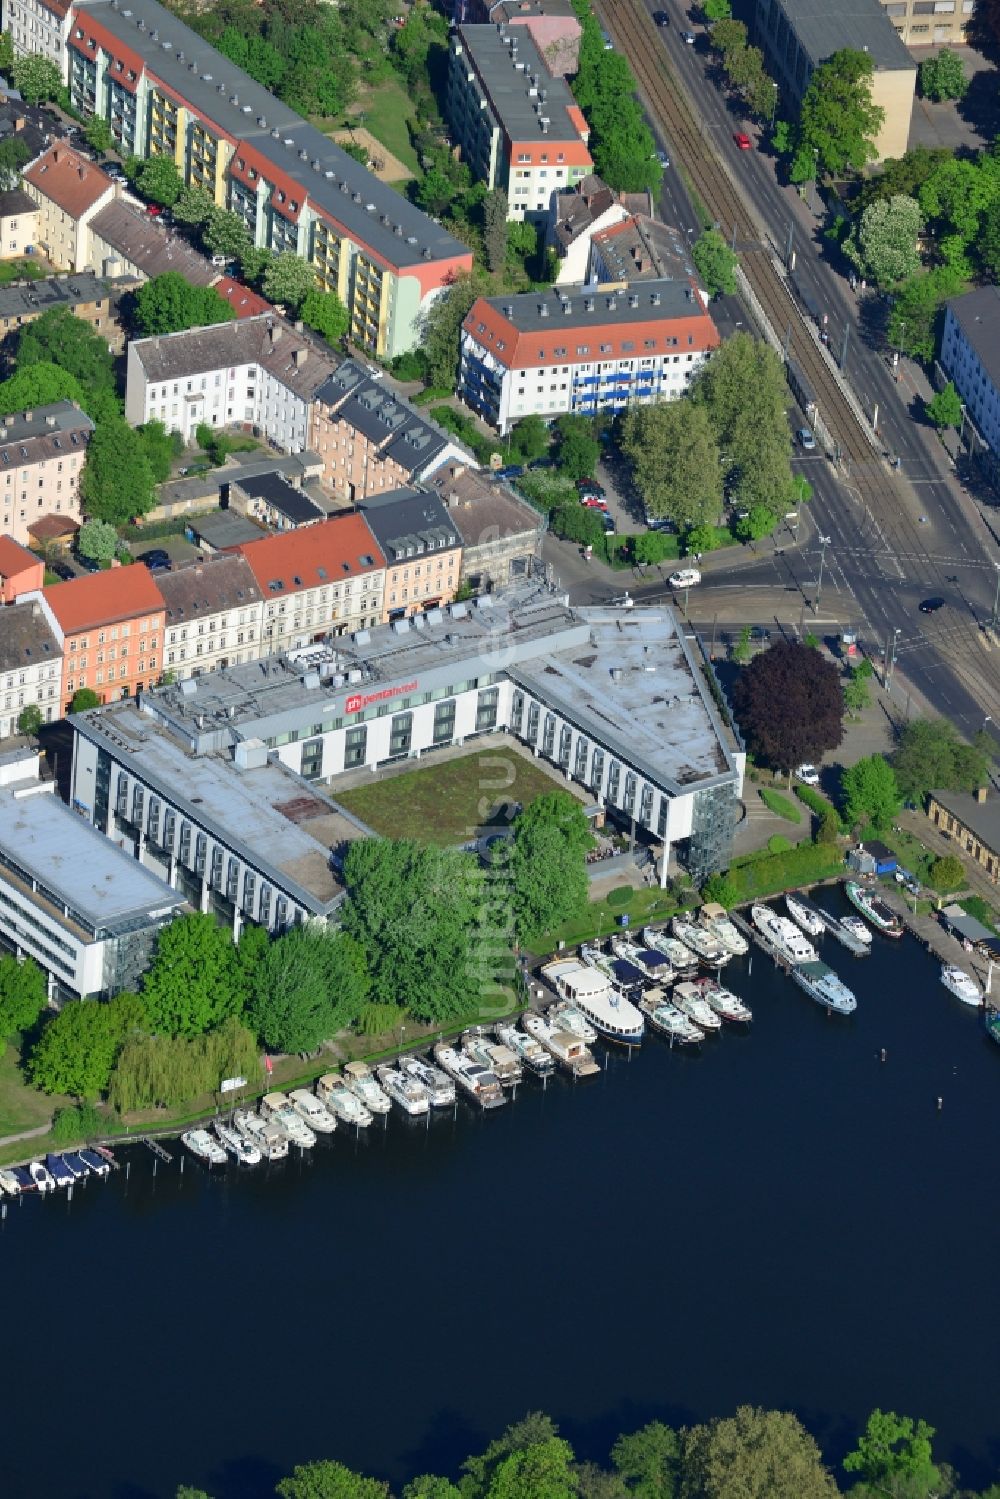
104, 597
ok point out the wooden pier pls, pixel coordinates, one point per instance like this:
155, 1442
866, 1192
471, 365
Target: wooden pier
157, 1149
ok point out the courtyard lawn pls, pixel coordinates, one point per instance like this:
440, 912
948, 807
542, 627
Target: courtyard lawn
452, 801
384, 111
21, 1107
20, 270
601, 918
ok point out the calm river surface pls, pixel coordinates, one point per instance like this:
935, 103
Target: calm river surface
784, 1220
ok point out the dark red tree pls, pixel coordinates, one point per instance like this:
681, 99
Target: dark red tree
790, 705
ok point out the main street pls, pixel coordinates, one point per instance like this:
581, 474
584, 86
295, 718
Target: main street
892, 541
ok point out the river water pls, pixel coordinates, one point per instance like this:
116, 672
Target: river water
785, 1219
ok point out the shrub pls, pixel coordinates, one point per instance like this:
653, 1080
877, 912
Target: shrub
813, 799
778, 844
379, 1019
828, 830
780, 805
721, 889
946, 874
74, 1124
762, 874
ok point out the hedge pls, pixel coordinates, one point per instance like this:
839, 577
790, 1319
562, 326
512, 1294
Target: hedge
757, 875
780, 805
816, 802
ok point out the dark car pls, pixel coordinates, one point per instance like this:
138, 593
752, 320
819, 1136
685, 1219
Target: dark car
931, 606
61, 570
661, 18
608, 522
157, 560
590, 487
87, 563
512, 471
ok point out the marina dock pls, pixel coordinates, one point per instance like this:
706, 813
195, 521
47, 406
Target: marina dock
759, 940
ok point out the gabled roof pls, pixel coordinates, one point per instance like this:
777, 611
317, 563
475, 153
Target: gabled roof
267, 341
68, 179
103, 598
16, 201
26, 638
339, 548
203, 588
14, 558
149, 245
243, 301
409, 523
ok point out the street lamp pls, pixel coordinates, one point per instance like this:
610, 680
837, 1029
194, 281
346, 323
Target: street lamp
824, 542
774, 102
891, 663
996, 598
815, 195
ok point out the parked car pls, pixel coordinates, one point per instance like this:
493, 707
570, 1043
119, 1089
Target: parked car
157, 560
807, 774
743, 141
689, 38
806, 438
609, 523
512, 471
61, 570
686, 577
661, 18
608, 43
590, 486
593, 502
909, 881
154, 210
87, 563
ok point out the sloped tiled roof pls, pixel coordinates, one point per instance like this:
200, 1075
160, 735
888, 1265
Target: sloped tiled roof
68, 179
102, 598
335, 549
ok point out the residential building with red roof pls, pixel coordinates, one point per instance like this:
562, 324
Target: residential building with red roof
69, 190
110, 628
243, 301
20, 570
582, 349
519, 128
327, 579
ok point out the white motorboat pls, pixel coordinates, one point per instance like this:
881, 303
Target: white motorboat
276, 1106
723, 1001
692, 1003
823, 985
701, 942
649, 961
595, 957
479, 1082
566, 1017
440, 1087
497, 1058
857, 928
268, 1136
715, 920
569, 1051
9, 1183
603, 1006
531, 1051
804, 917
411, 1096
669, 1020
318, 1115
201, 1144
680, 957
958, 982
783, 935
363, 1084
337, 1099
242, 1150
41, 1176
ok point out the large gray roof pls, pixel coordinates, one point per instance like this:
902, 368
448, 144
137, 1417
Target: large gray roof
507, 78
981, 818
265, 340
409, 522
29, 299
978, 315
572, 306
26, 638
824, 27
202, 588
149, 245
188, 64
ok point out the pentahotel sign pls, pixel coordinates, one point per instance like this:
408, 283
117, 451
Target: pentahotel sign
359, 700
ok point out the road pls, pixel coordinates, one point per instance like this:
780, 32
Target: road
897, 535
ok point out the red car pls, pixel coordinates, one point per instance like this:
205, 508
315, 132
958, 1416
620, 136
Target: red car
592, 502
154, 209
743, 141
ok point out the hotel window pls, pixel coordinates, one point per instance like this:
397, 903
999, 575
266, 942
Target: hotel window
200, 853
628, 804
614, 780
153, 825
444, 721
138, 797
486, 709
549, 735
281, 912
169, 824
249, 887
517, 712
661, 820
217, 867
534, 714
264, 913
121, 795
355, 744
232, 880
401, 734
646, 806
185, 849
312, 759
580, 769
597, 769
565, 744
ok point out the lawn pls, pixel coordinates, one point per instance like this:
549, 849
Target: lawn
385, 112
19, 270
759, 875
450, 802
603, 917
780, 805
20, 1106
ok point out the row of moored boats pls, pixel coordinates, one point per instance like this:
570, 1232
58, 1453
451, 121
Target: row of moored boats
57, 1170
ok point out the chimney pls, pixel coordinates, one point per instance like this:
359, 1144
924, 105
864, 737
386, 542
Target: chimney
57, 155
29, 416
275, 333
50, 421
299, 358
981, 794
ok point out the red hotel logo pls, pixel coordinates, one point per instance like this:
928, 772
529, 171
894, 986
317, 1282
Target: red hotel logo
359, 700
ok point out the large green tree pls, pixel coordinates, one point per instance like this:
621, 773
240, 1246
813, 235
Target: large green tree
310, 984
883, 243
745, 394
288, 280
169, 303
77, 1048
755, 1454
14, 155
917, 309
158, 179
547, 863
157, 1071
226, 234
577, 447
328, 1480
715, 263
38, 385
943, 77
441, 324
117, 482
193, 982
533, 1430
326, 313
22, 995
649, 1460
97, 540
871, 793
931, 757
789, 704
38, 79
193, 206
838, 120
161, 448
621, 144
894, 1448
59, 338
944, 408
674, 457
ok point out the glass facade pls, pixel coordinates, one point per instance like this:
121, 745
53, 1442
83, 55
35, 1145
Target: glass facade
711, 843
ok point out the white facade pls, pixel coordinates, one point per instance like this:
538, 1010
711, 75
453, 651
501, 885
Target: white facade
574, 265
974, 378
337, 608
37, 27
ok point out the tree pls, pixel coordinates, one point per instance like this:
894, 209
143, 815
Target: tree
529, 439
716, 10
871, 793
838, 120
117, 483
30, 719
37, 79
170, 303
895, 1447
700, 539
728, 36
649, 1459
577, 449
715, 262
721, 889
158, 179
946, 874
161, 448
917, 310
675, 461
185, 1491
758, 522
547, 863
14, 154
61, 339
789, 705
97, 133
651, 547
575, 522
37, 385
495, 229
193, 982
856, 695
23, 995
288, 280
943, 77
226, 234
327, 1480
440, 326
6, 54
97, 540
755, 1454
326, 313
84, 698
931, 757
542, 1471
156, 1071
428, 1485
745, 394
945, 408
534, 1429
309, 985
193, 206
883, 243
77, 1047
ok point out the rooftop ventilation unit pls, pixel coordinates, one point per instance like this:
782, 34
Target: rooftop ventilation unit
633, 300
543, 309
303, 155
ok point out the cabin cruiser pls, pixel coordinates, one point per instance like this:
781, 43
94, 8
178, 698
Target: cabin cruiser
603, 1006
823, 985
9, 1182
569, 1051
681, 958
362, 1082
497, 1058
715, 920
804, 916
59, 1171
339, 1101
874, 908
201, 1144
649, 962
669, 1020
440, 1087
566, 1017
76, 1163
412, 1097
701, 942
531, 1051
320, 1116
242, 1150
723, 1001
689, 1000
783, 935
958, 982
98, 1164
266, 1134
276, 1106
472, 1077
856, 928
595, 957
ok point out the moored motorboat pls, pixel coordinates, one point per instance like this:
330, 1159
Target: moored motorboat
411, 1096
873, 908
364, 1085
855, 927
25, 1178
650, 962
823, 985
76, 1164
680, 958
701, 942
723, 1001
809, 920
714, 919
479, 1082
495, 1056
595, 957
277, 1107
531, 1051
244, 1151
98, 1165
569, 1051
319, 1116
200, 1143
670, 1021
338, 1102
9, 1183
603, 1006
687, 998
266, 1134
782, 935
440, 1087
958, 982
59, 1171
566, 1017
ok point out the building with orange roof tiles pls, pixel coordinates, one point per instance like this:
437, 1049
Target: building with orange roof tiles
518, 127
327, 579
20, 570
582, 349
69, 190
110, 628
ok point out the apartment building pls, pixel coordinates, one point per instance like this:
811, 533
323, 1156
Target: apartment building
255, 372
39, 26
797, 35
42, 453
273, 501
551, 24
30, 665
422, 550
371, 440
970, 357
501, 534
325, 580
90, 298
68, 190
165, 90
18, 224
214, 616
20, 570
109, 626
582, 349
578, 214
640, 248
518, 127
